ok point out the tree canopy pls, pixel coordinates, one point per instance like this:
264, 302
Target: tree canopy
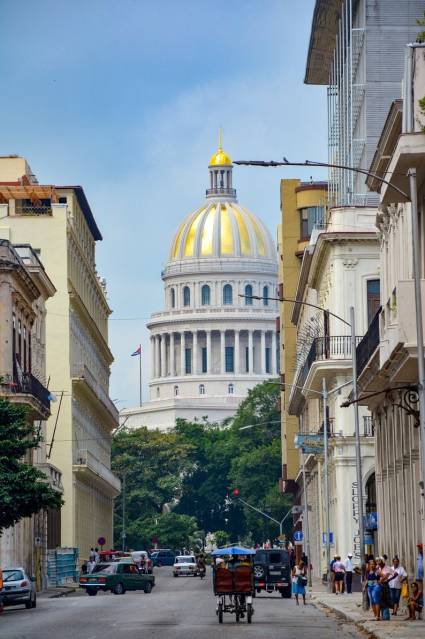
24, 489
180, 484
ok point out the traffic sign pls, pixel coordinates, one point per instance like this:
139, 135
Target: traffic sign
101, 541
331, 538
298, 535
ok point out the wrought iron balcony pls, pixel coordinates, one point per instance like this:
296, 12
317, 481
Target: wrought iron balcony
337, 347
368, 344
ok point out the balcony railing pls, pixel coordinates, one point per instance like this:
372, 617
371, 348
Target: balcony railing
221, 191
337, 347
81, 372
26, 383
86, 460
30, 209
368, 426
368, 344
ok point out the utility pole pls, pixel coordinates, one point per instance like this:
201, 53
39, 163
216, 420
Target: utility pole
357, 434
123, 534
326, 481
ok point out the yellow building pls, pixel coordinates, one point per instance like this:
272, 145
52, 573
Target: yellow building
60, 226
302, 206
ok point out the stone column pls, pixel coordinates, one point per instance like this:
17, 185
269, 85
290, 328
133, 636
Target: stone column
163, 355
195, 352
152, 356
209, 352
263, 352
251, 351
182, 349
237, 353
172, 356
274, 353
157, 356
222, 351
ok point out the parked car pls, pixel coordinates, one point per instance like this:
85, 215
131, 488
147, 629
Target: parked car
272, 571
185, 565
18, 588
117, 577
163, 557
143, 561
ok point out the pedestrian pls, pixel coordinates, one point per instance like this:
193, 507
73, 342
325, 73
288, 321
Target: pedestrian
96, 555
398, 577
299, 581
373, 588
92, 555
90, 566
84, 567
415, 603
385, 573
332, 572
304, 559
420, 566
348, 565
339, 571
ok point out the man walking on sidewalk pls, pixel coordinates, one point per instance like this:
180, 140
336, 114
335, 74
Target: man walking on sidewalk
348, 565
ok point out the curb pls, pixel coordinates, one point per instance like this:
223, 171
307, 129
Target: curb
346, 617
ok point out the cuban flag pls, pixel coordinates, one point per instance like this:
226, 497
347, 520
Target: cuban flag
137, 352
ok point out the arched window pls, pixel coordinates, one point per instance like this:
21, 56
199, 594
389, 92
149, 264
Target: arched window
173, 298
205, 295
266, 295
186, 296
248, 295
230, 389
201, 389
176, 391
227, 294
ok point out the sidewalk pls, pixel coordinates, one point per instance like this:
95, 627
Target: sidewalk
350, 608
54, 592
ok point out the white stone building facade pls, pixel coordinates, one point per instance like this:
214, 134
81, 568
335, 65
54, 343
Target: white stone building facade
214, 340
339, 270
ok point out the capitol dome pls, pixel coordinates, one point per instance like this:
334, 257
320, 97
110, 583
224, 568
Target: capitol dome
222, 229
215, 338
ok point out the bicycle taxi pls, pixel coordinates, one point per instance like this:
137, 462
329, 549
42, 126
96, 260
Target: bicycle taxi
234, 582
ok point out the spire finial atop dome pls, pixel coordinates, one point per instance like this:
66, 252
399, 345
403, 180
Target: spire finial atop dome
220, 141
220, 158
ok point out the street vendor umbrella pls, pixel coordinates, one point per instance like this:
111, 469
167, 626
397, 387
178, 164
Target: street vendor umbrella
233, 550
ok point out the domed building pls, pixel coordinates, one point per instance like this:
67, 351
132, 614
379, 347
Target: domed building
213, 341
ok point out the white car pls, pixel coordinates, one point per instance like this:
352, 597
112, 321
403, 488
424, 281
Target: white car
185, 565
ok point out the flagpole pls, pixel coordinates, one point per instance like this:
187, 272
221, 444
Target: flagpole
140, 376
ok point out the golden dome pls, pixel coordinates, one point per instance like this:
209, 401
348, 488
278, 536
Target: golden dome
222, 229
220, 158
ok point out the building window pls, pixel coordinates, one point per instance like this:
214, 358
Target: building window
188, 361
227, 294
204, 359
229, 359
176, 391
265, 295
248, 295
373, 299
201, 389
173, 298
247, 359
205, 295
186, 296
310, 217
230, 389
268, 362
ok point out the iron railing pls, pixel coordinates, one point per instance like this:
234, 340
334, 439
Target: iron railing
368, 344
30, 209
337, 347
221, 191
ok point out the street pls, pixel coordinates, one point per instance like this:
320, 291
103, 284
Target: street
176, 609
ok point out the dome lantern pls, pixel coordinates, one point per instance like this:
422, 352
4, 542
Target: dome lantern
220, 168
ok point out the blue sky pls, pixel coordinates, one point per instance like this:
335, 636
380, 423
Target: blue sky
126, 97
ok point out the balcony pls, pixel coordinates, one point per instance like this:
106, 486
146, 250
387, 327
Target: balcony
368, 426
24, 388
89, 467
327, 355
368, 344
81, 374
53, 474
221, 191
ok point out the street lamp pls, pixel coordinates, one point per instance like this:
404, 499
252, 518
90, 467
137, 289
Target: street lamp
411, 174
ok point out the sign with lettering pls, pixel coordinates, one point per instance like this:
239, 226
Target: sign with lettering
310, 443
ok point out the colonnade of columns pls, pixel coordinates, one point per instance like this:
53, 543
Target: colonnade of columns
204, 352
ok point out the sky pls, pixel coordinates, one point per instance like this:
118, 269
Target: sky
126, 97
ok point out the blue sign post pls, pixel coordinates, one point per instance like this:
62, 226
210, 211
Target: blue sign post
298, 535
331, 538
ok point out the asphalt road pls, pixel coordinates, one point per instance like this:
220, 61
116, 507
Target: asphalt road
182, 608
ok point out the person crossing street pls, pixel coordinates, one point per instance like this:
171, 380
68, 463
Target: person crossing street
349, 568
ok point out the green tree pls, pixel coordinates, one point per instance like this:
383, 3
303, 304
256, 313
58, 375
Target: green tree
173, 530
24, 489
